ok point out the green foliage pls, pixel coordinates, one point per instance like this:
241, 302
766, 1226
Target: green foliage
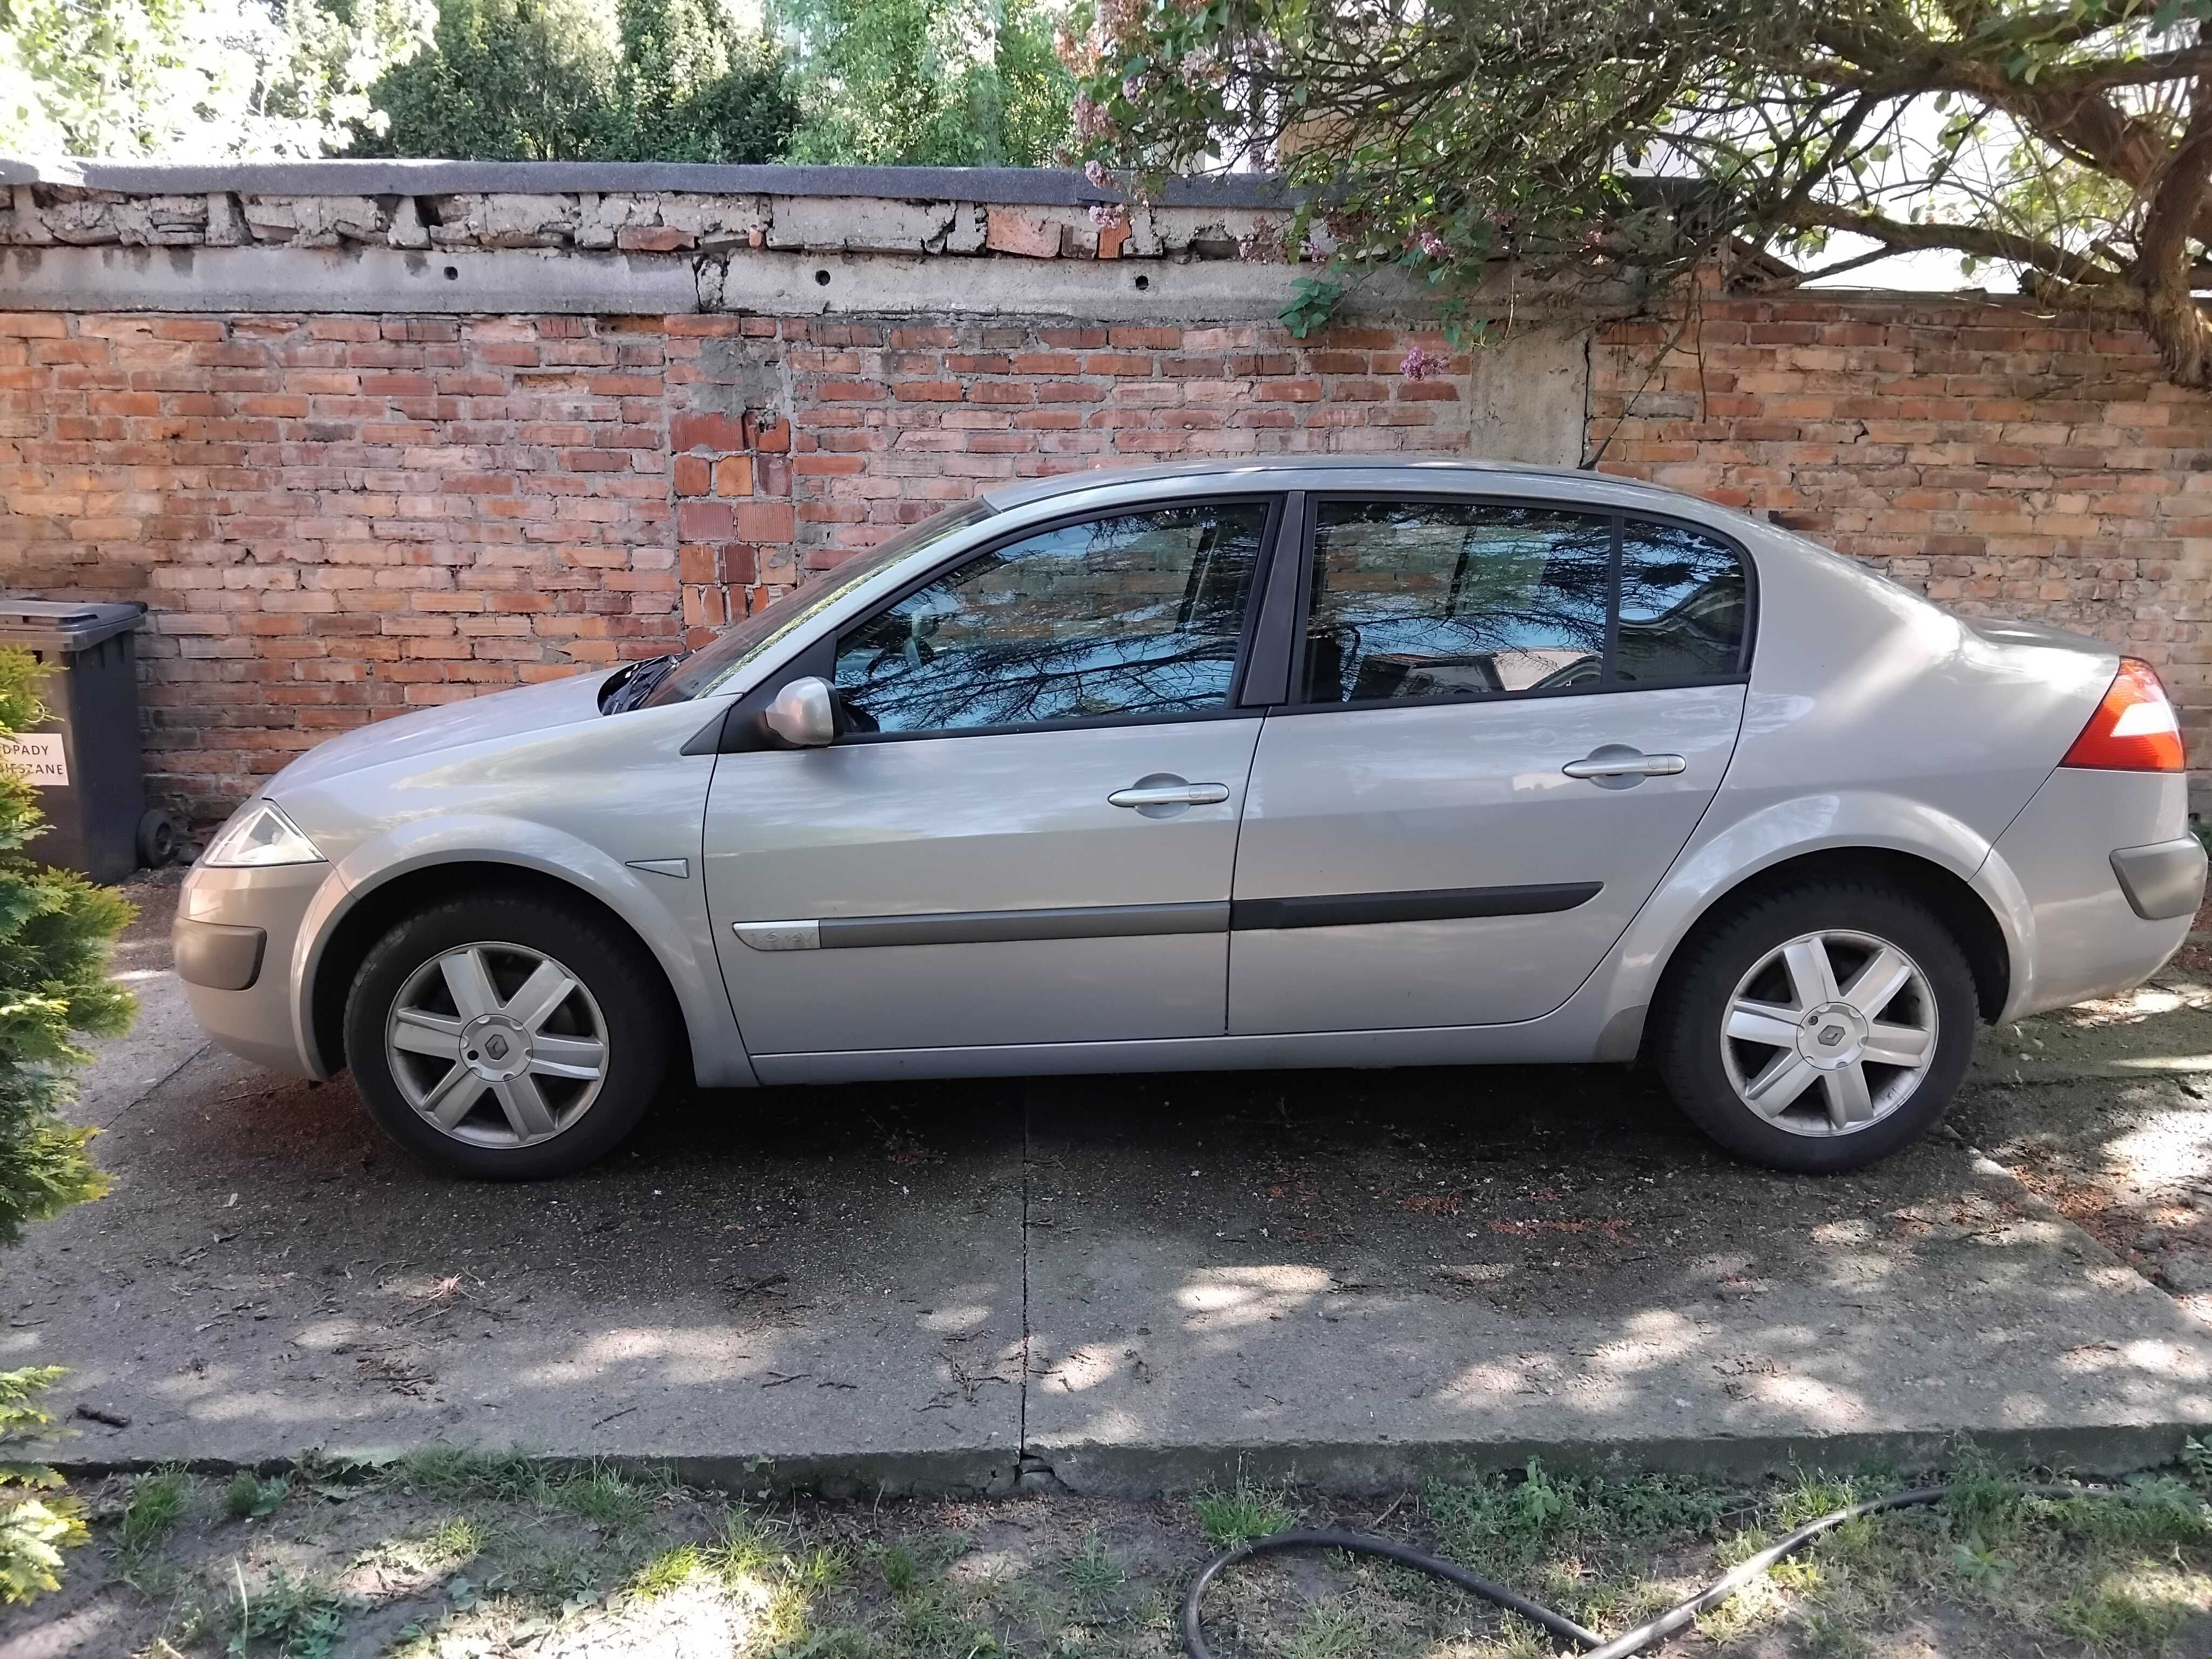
249, 1497
1506, 1523
581, 79
928, 82
55, 931
194, 79
36, 1523
1249, 1509
1313, 302
1611, 146
151, 1513
298, 1617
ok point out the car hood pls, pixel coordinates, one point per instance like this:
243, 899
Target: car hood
409, 737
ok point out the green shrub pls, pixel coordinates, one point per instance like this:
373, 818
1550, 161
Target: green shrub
55, 932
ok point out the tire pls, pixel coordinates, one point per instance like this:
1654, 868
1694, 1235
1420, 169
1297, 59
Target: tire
1762, 957
159, 837
405, 1014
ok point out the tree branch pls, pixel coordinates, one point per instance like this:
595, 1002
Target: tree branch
1981, 241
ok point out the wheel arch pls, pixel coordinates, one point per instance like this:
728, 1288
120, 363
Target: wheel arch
334, 953
1948, 894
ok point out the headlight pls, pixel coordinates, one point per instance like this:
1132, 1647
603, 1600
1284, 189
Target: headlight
261, 834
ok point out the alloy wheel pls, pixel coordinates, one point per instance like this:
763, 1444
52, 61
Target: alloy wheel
496, 1045
1829, 1033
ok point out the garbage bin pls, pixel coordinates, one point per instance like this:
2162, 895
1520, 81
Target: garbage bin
84, 760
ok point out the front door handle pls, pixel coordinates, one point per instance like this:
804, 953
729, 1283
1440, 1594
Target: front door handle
1163, 795
1617, 766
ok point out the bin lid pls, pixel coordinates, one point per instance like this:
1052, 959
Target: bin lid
66, 624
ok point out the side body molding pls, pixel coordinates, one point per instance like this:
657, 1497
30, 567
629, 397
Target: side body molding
669, 916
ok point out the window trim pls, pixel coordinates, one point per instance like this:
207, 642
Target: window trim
1620, 517
1271, 549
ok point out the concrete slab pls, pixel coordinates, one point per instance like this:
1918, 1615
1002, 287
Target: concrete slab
1121, 1285
1366, 1277
814, 1292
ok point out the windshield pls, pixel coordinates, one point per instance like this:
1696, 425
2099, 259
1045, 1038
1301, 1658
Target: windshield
707, 670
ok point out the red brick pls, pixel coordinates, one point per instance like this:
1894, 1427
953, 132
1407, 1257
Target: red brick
654, 239
706, 432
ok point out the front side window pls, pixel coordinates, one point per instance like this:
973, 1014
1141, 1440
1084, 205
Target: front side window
1132, 615
1444, 598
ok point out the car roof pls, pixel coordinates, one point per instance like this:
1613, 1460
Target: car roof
1272, 471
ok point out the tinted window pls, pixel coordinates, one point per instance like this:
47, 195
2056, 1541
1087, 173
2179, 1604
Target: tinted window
1136, 614
1432, 598
1681, 605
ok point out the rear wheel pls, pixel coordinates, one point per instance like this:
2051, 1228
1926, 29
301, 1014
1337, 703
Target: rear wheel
506, 1038
1820, 1028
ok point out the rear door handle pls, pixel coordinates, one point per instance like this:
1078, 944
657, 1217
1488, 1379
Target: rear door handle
1169, 794
1617, 766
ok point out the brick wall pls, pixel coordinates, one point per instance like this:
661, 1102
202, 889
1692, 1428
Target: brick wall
2003, 460
337, 518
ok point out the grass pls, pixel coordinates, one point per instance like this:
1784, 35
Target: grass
1248, 1510
151, 1512
455, 1552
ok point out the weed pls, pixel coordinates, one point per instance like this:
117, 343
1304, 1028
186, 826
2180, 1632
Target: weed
669, 1570
602, 1496
150, 1514
2195, 1454
744, 1551
249, 1497
1094, 1574
450, 1471
2149, 1509
456, 1538
1247, 1510
304, 1620
902, 1570
1507, 1524
1330, 1633
2128, 1611
819, 1570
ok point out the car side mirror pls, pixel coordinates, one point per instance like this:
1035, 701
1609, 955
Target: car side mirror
804, 715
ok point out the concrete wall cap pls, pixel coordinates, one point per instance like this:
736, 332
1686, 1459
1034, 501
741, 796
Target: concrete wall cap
1027, 187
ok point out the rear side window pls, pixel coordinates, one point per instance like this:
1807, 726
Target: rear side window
1425, 599
1135, 614
1683, 605
1438, 598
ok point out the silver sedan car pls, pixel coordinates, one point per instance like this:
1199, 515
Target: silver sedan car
1294, 762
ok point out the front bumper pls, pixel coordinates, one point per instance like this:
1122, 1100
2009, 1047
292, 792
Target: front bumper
235, 937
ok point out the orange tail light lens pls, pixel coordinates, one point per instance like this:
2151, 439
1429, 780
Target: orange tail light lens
2135, 728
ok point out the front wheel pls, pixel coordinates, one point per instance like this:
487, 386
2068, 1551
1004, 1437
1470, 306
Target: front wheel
1820, 1028
507, 1038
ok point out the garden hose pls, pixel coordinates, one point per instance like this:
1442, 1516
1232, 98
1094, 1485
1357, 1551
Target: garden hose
1593, 1645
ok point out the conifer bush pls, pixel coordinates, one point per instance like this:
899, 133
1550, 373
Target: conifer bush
56, 930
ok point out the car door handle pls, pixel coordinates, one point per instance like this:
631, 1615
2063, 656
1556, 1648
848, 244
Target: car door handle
1169, 794
1617, 760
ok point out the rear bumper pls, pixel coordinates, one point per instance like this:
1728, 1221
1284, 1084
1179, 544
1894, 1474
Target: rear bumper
2164, 880
2081, 927
234, 935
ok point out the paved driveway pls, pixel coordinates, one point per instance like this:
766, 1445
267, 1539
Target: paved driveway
1124, 1283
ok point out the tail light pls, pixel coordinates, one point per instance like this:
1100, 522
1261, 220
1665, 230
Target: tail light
2133, 729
